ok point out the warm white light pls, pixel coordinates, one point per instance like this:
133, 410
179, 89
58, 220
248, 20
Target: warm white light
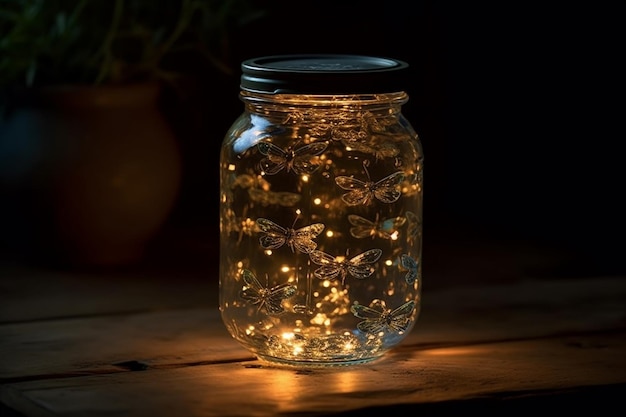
319, 319
247, 226
301, 317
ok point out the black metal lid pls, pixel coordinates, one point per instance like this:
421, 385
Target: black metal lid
323, 74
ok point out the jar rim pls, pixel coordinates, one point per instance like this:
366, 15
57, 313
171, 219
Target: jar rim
323, 74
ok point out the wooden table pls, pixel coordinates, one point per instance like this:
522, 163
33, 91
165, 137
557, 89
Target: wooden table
150, 342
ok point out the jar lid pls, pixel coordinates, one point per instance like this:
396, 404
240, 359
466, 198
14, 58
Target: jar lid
323, 74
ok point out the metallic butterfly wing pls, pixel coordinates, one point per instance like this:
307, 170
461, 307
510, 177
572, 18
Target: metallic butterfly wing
275, 236
305, 161
269, 299
378, 318
275, 158
387, 190
361, 265
398, 320
302, 239
410, 264
373, 318
300, 160
359, 191
373, 322
252, 290
329, 268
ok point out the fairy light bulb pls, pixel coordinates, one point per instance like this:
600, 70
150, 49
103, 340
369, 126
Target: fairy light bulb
321, 208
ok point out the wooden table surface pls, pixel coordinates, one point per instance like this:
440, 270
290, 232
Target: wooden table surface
150, 342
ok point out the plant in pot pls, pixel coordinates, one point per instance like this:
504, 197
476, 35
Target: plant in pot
89, 167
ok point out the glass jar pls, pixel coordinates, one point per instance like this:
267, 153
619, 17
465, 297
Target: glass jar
321, 211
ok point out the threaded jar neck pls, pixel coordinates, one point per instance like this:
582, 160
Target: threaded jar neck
313, 107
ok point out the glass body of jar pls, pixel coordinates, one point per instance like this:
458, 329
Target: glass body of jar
321, 227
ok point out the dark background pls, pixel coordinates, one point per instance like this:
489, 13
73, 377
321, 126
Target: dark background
518, 107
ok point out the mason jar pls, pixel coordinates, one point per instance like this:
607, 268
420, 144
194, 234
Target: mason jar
321, 182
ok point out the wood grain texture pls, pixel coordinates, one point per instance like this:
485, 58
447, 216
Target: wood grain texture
167, 353
409, 376
174, 337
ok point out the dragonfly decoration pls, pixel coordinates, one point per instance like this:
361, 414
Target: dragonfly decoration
300, 160
387, 190
361, 266
378, 318
276, 236
266, 298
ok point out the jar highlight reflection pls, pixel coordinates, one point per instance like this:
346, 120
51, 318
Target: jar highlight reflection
321, 208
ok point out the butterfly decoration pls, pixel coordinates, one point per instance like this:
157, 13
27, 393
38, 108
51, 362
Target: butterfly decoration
411, 265
299, 160
385, 229
266, 298
386, 190
276, 236
331, 267
379, 318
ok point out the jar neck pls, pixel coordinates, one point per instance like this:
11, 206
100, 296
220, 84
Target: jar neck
314, 107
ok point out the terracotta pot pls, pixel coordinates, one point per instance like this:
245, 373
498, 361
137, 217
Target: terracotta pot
88, 175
